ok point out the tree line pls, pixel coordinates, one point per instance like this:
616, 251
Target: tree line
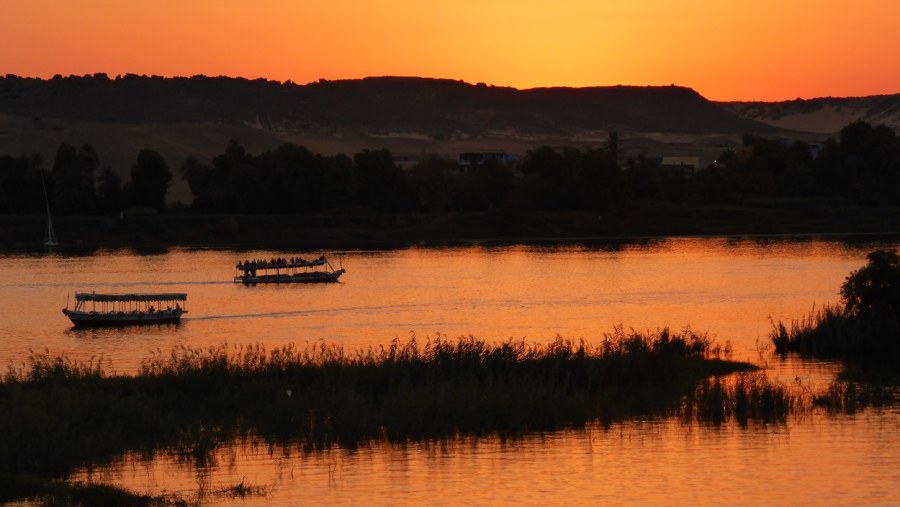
862, 165
75, 185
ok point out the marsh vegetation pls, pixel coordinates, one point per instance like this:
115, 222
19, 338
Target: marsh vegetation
863, 330
71, 414
191, 402
322, 396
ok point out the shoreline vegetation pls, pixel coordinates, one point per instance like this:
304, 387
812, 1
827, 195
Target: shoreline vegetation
362, 229
862, 331
844, 185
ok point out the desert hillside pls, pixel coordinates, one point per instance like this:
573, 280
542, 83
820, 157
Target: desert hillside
823, 115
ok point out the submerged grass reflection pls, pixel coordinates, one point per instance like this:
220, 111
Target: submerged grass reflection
744, 398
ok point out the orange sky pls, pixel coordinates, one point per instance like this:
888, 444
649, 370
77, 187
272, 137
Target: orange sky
760, 50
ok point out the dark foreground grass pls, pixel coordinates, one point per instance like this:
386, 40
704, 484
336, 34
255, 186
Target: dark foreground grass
54, 492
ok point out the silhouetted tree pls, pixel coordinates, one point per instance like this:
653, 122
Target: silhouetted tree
874, 287
871, 159
110, 197
382, 184
150, 179
799, 171
644, 179
431, 183
719, 184
573, 179
547, 178
600, 180
20, 184
72, 181
197, 177
486, 185
296, 180
340, 184
225, 185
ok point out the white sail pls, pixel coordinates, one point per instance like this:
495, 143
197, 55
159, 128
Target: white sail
50, 237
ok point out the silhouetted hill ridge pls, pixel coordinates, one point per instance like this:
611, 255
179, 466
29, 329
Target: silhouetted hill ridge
433, 107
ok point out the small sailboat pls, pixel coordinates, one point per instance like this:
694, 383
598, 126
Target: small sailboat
50, 237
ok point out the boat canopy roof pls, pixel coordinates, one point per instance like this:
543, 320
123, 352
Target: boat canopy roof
293, 262
93, 296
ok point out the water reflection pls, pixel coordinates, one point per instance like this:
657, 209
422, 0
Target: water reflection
727, 287
834, 460
732, 288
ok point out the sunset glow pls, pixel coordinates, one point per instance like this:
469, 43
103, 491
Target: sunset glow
766, 50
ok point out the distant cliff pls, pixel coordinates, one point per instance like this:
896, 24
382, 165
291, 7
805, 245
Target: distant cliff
433, 107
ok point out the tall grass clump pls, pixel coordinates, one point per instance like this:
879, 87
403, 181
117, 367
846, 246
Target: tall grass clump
58, 414
863, 331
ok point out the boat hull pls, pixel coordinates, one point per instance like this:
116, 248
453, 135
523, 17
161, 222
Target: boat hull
311, 277
117, 319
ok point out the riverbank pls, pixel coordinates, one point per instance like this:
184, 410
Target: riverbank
361, 229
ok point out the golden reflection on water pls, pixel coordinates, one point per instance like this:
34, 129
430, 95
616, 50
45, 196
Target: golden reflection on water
822, 460
726, 288
731, 289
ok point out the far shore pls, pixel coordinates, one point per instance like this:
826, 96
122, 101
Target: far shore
361, 229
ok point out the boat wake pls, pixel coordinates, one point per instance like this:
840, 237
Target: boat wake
301, 313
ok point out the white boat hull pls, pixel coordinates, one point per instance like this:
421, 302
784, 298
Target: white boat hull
98, 319
309, 277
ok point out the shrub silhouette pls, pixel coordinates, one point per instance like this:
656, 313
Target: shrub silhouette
875, 287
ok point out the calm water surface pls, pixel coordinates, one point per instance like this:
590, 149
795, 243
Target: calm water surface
729, 288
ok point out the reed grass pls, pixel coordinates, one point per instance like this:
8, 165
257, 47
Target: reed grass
57, 414
867, 343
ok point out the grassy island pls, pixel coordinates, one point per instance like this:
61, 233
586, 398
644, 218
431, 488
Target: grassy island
57, 414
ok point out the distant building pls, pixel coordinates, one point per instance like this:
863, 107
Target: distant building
684, 165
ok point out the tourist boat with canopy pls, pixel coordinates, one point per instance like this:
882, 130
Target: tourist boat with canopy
286, 270
98, 310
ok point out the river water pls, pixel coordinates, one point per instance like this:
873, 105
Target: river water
730, 288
